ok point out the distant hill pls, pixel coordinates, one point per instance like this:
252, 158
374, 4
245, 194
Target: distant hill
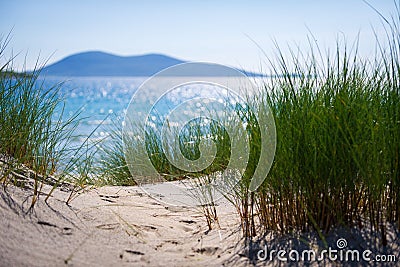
97, 63
104, 64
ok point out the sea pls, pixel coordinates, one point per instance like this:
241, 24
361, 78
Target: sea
100, 103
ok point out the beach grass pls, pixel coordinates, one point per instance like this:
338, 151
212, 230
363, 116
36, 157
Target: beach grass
337, 152
338, 129
34, 135
112, 166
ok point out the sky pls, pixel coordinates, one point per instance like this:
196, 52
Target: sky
234, 33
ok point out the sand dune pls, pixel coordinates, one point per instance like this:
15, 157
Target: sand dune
112, 226
123, 226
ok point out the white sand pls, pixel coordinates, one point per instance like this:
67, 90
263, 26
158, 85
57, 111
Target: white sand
123, 226
112, 226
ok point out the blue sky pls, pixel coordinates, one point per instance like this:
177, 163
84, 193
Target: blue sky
213, 31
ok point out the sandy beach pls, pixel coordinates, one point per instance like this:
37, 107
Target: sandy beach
124, 226
112, 226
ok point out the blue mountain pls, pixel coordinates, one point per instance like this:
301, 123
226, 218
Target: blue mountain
103, 64
96, 63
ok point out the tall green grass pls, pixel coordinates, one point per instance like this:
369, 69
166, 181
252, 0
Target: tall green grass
114, 169
337, 152
112, 166
338, 129
32, 135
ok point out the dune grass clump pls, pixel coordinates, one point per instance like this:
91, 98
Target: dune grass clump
112, 166
338, 137
189, 138
338, 129
337, 152
115, 170
35, 140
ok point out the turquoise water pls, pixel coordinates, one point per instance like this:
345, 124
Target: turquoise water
100, 101
103, 101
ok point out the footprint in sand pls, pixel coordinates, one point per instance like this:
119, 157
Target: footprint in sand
207, 250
